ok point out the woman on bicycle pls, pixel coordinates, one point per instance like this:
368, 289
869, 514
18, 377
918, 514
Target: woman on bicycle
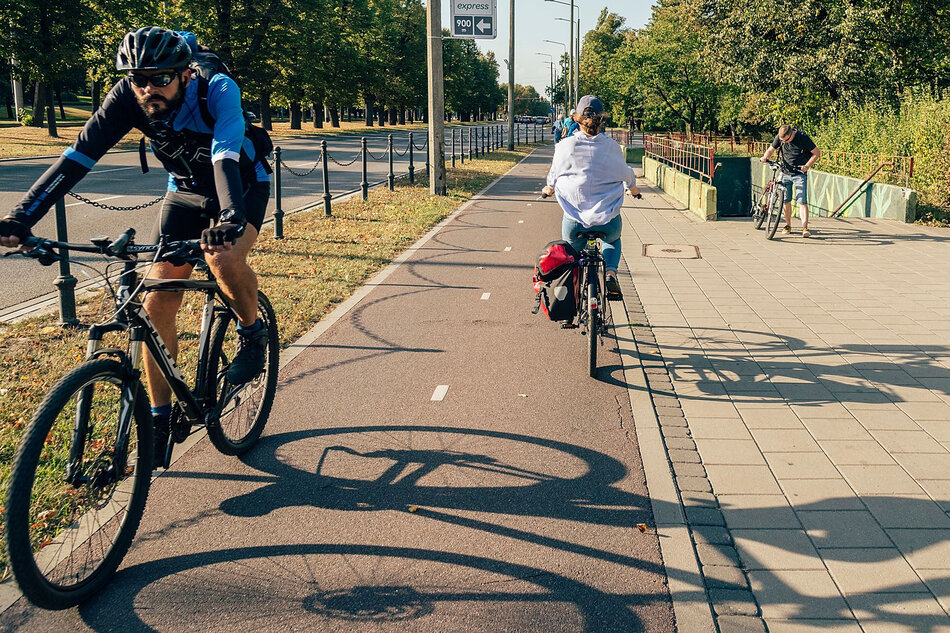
588, 176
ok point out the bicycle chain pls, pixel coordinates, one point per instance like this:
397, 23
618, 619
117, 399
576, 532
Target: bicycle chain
108, 207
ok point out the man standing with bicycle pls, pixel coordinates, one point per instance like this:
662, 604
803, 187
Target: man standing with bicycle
218, 185
798, 153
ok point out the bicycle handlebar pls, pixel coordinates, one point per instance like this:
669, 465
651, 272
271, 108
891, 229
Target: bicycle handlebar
121, 248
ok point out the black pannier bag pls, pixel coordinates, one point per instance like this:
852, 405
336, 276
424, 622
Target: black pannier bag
556, 276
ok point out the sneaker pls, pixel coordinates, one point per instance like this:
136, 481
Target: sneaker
613, 288
161, 424
249, 361
806, 233
786, 229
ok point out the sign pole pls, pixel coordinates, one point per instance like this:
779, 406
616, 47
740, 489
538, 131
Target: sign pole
436, 99
511, 75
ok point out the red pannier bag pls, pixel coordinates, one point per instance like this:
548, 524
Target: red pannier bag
556, 278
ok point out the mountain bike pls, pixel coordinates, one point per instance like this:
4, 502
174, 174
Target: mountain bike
82, 471
771, 201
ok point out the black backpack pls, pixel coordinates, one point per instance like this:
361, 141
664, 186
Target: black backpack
206, 64
556, 278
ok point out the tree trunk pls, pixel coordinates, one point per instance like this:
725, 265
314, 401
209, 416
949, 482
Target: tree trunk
295, 115
96, 94
425, 115
381, 116
368, 112
9, 103
59, 100
402, 116
50, 112
39, 104
266, 121
317, 110
334, 116
392, 116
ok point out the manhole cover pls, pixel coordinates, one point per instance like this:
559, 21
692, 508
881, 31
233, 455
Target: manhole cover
672, 251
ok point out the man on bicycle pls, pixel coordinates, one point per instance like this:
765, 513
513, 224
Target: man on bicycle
798, 154
217, 187
588, 176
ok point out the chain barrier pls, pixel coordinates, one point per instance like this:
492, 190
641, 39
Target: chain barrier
425, 144
108, 207
374, 156
402, 153
301, 174
359, 155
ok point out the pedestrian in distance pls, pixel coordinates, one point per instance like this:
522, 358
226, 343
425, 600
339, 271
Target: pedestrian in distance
797, 153
588, 177
558, 127
182, 98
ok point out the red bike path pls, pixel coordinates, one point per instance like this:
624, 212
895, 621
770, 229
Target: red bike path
378, 499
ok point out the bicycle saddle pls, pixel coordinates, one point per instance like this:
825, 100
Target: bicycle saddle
590, 235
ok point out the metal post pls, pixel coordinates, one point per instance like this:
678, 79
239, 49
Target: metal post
462, 146
278, 211
364, 183
412, 169
511, 72
66, 283
436, 101
326, 180
471, 145
392, 174
453, 148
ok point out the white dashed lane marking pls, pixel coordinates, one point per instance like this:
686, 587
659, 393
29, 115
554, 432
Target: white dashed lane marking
439, 394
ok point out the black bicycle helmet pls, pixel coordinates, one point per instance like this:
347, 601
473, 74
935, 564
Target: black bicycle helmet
153, 48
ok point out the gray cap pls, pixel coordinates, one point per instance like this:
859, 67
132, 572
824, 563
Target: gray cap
592, 102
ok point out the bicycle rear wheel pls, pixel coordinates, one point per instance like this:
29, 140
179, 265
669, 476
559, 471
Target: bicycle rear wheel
593, 324
76, 498
760, 210
774, 212
243, 408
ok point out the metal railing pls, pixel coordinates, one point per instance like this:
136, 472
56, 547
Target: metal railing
884, 168
695, 159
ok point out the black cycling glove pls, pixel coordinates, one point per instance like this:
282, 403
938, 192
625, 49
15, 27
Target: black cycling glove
231, 226
11, 227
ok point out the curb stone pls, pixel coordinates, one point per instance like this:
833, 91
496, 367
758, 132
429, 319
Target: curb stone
728, 591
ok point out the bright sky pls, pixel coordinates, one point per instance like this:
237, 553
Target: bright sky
535, 22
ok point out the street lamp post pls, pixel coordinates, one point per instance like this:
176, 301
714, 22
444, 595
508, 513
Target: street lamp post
551, 64
567, 80
572, 60
576, 43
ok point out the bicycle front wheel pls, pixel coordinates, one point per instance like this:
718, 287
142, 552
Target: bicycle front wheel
243, 408
78, 485
774, 212
593, 325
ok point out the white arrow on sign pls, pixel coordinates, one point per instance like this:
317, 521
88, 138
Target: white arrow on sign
483, 25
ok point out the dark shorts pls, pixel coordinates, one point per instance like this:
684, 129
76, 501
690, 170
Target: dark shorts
185, 215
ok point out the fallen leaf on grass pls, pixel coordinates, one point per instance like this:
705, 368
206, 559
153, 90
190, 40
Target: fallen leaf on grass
642, 527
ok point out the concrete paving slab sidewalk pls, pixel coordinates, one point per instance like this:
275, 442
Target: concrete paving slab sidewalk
814, 377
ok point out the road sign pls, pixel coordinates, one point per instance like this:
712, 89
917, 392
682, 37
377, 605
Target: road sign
474, 19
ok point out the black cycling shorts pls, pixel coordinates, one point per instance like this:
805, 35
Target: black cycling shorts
185, 215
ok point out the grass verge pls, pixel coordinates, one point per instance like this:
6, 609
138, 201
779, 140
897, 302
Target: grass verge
319, 264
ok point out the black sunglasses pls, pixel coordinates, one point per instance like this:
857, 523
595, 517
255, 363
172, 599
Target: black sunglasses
159, 80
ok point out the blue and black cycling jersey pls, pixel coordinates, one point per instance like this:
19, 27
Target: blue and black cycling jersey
216, 161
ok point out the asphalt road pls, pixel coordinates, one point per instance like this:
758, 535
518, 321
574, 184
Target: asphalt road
118, 180
508, 505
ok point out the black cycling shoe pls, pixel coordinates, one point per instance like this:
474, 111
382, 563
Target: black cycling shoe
249, 361
161, 424
613, 289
